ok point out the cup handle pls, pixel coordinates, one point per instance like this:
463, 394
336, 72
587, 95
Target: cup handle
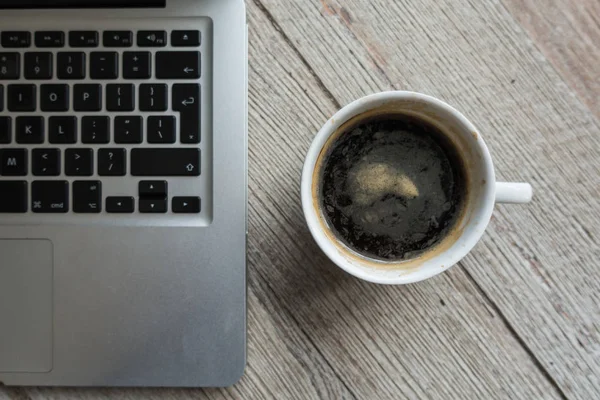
515, 193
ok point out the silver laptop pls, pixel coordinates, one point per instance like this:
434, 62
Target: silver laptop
123, 201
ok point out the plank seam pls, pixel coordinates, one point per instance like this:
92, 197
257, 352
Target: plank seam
15, 393
289, 42
308, 338
580, 100
517, 337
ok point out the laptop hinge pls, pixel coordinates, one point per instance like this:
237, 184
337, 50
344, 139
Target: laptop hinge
29, 4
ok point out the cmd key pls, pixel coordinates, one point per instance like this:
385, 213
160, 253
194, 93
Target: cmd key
50, 196
165, 162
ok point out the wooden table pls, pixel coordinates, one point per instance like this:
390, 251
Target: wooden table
519, 318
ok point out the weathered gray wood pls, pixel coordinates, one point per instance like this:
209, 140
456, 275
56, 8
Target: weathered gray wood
538, 263
504, 325
567, 33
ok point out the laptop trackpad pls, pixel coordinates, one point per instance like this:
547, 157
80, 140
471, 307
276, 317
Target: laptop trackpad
26, 271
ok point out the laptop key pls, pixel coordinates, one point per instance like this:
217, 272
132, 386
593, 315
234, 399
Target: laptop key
79, 162
189, 38
70, 65
45, 162
13, 162
186, 205
21, 98
121, 205
49, 39
13, 196
104, 65
165, 162
137, 65
153, 188
5, 130
54, 97
153, 205
112, 162
83, 39
120, 97
95, 130
178, 65
153, 97
15, 39
30, 130
186, 100
50, 196
87, 197
117, 39
161, 129
128, 130
38, 65
62, 130
87, 97
152, 38
10, 65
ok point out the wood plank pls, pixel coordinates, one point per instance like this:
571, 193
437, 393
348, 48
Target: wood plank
567, 33
10, 393
538, 263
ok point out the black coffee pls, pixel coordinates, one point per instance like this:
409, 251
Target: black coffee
392, 187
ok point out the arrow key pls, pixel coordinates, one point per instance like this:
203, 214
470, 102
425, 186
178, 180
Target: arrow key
46, 162
152, 188
186, 205
120, 205
153, 205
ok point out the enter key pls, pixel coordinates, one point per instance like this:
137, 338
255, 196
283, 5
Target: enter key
186, 100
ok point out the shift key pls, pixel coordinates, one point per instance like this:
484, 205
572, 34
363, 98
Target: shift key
165, 162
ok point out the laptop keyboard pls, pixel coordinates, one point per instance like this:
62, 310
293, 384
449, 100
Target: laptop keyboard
81, 108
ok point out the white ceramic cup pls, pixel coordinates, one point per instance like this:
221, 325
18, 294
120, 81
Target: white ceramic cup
482, 189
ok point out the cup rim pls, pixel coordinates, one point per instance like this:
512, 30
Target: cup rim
332, 251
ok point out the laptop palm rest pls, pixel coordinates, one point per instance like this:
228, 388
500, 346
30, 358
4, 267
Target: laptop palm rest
26, 311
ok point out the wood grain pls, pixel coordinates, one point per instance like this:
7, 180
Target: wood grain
537, 264
568, 34
519, 319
